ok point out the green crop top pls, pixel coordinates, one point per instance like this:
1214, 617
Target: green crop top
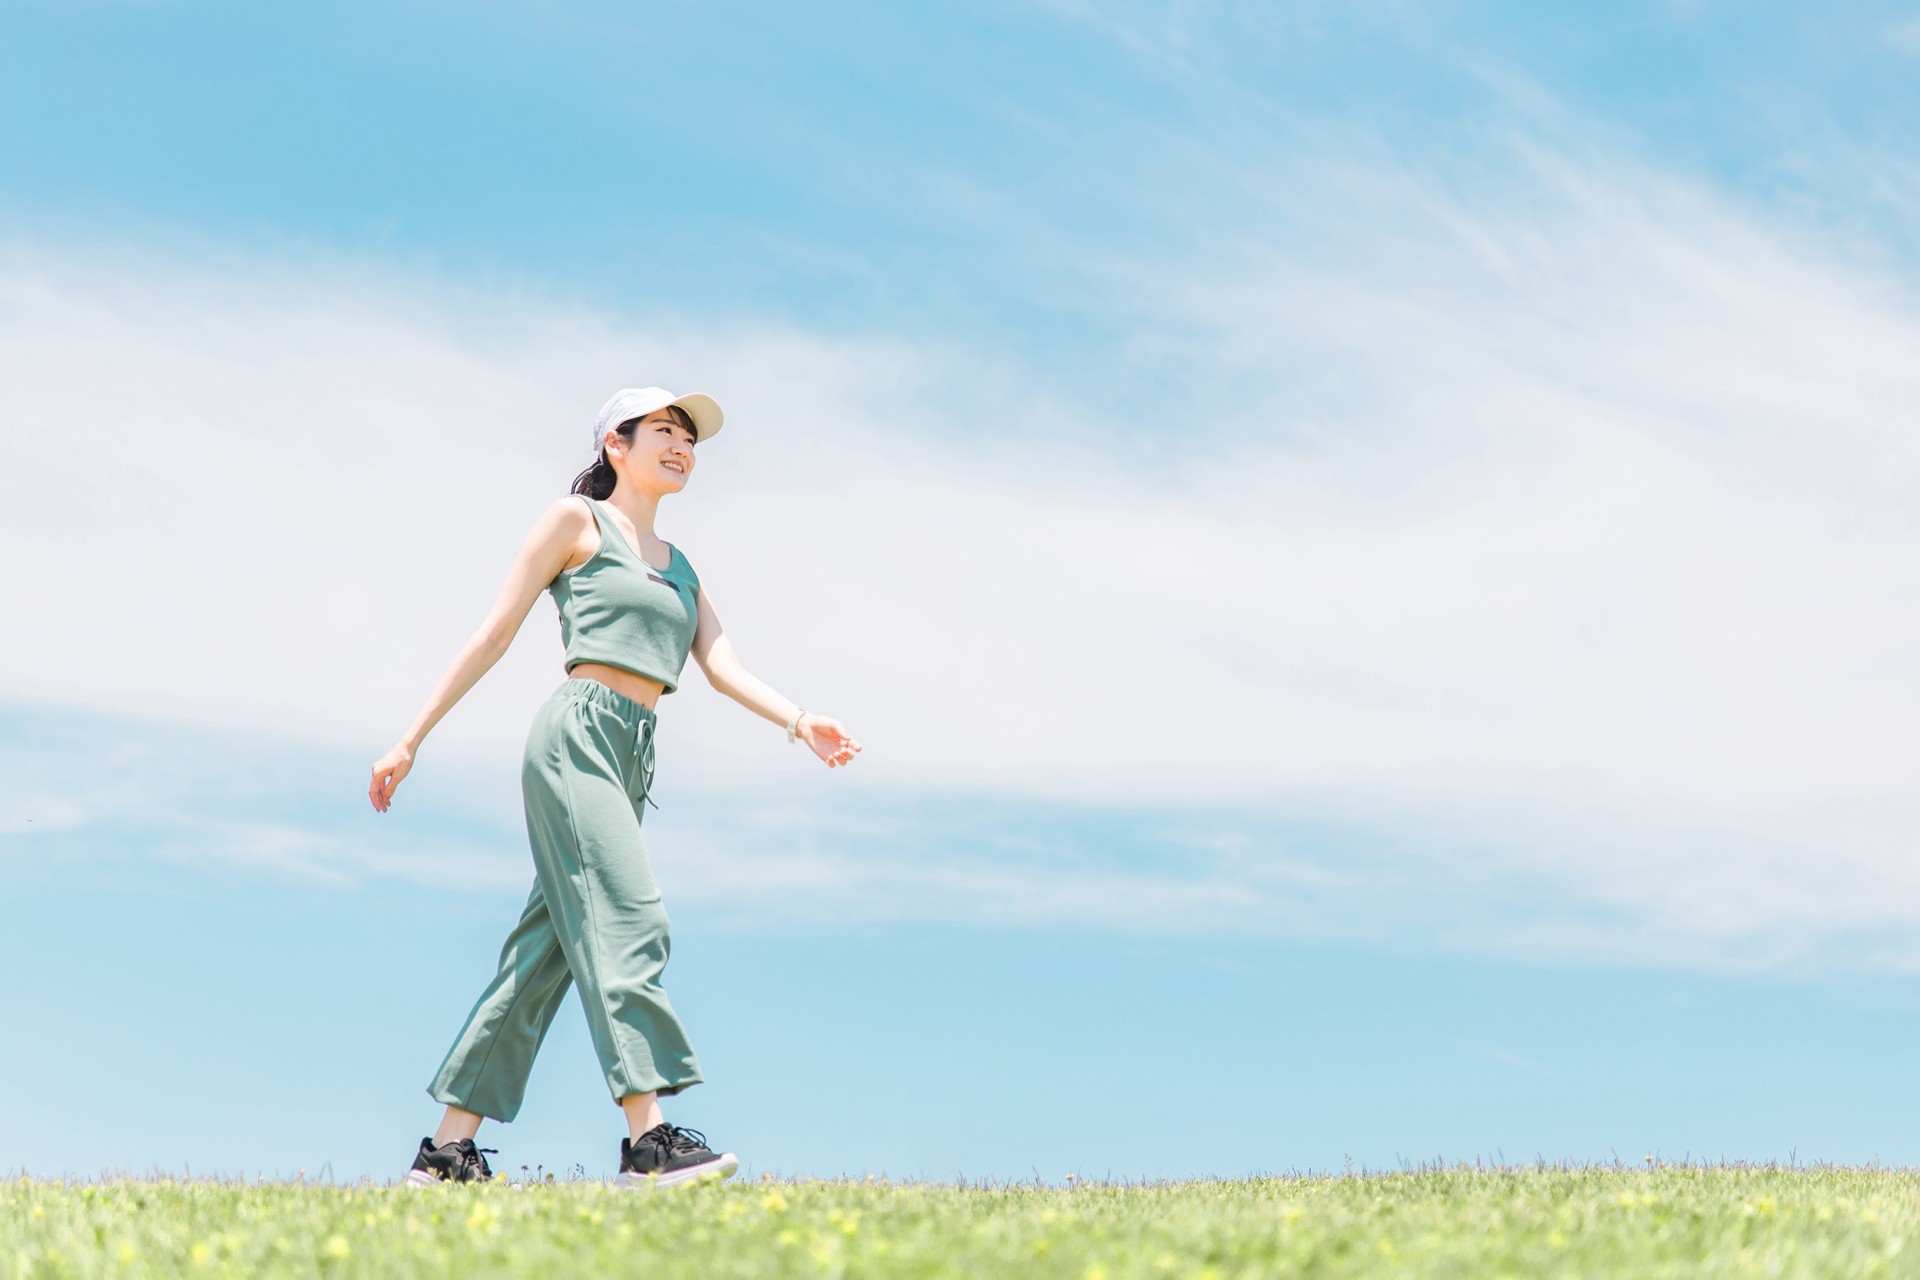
618, 609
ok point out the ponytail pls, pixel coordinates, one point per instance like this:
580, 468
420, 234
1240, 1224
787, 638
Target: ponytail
597, 481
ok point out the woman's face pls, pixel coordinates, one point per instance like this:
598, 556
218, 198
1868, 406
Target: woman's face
660, 459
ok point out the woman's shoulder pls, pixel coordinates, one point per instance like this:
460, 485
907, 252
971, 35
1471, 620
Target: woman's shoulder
564, 528
574, 509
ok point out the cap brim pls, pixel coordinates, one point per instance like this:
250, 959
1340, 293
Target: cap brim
705, 412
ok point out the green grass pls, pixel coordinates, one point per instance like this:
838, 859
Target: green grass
1676, 1221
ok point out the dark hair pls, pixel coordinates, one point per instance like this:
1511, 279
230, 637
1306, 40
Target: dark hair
597, 481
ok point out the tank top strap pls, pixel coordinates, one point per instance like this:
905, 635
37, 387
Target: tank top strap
612, 542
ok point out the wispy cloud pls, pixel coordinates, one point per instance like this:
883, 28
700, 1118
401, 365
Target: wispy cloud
1904, 35
103, 789
97, 791
1549, 519
1494, 1053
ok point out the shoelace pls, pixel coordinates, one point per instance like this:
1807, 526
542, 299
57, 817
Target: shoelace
476, 1157
673, 1138
679, 1139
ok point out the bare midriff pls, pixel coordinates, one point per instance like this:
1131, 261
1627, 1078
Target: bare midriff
642, 690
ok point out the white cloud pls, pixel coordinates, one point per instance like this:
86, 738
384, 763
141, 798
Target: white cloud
97, 791
1904, 35
1569, 526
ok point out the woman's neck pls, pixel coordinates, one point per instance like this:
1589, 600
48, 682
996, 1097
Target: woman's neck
636, 506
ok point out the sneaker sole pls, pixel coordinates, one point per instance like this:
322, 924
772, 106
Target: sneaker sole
421, 1178
717, 1169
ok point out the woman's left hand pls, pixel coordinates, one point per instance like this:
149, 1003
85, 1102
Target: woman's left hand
828, 738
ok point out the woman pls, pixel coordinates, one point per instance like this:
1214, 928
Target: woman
631, 609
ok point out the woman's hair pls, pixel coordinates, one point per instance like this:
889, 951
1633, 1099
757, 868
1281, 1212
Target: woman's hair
597, 481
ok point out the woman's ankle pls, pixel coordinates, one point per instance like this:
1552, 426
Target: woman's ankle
455, 1125
643, 1113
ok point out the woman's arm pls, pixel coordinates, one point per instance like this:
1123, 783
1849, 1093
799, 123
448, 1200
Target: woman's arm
548, 547
827, 737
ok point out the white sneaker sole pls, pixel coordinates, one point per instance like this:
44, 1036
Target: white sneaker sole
717, 1169
420, 1178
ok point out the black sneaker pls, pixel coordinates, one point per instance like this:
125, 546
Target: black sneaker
457, 1161
665, 1155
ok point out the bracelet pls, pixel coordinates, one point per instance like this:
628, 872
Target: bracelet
793, 725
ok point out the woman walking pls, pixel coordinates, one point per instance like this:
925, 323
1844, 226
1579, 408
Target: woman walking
631, 610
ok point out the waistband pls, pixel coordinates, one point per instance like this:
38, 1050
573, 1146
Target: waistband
581, 689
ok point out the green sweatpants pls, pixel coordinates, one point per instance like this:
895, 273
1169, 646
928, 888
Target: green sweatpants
594, 916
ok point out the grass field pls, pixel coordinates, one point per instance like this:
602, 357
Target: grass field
1666, 1221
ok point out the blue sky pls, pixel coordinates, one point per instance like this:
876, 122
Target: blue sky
1370, 545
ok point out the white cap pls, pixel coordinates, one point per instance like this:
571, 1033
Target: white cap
637, 402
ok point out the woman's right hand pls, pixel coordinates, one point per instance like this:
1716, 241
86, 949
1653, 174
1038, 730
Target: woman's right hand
387, 772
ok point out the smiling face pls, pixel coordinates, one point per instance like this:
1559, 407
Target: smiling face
660, 457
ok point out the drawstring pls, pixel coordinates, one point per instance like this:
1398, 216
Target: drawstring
646, 762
